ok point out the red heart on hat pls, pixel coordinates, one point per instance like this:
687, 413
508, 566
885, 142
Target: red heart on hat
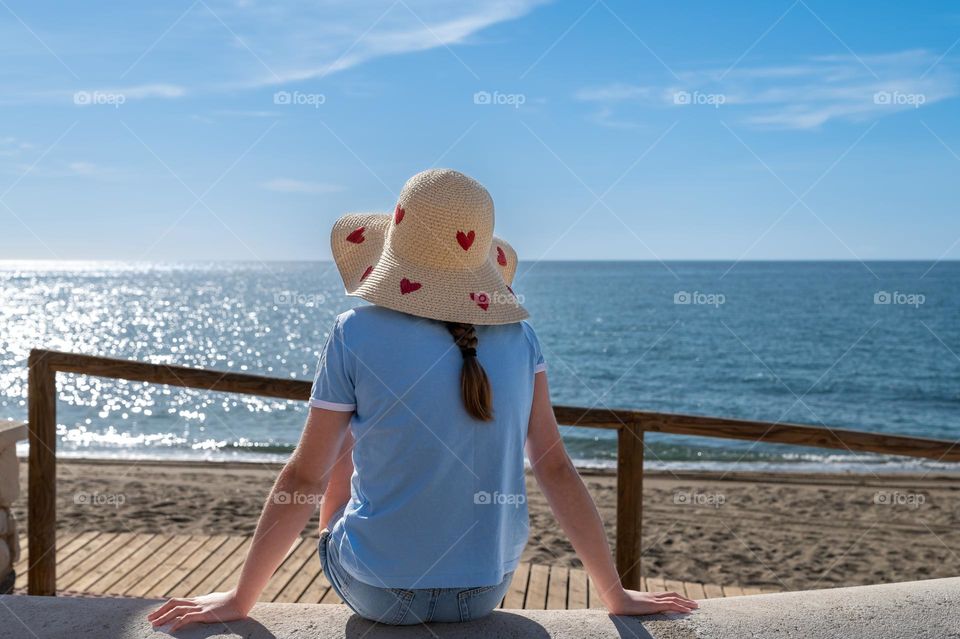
406, 286
357, 236
501, 257
366, 273
398, 214
465, 239
482, 299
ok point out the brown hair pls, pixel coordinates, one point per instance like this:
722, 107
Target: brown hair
474, 385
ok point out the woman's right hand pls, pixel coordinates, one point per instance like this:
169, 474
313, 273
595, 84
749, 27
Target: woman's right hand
632, 602
217, 607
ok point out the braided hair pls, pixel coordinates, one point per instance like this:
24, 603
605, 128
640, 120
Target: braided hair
474, 385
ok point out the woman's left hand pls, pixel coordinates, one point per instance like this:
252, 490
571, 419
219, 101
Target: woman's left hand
215, 607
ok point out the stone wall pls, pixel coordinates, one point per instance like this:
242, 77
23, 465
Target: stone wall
10, 433
917, 610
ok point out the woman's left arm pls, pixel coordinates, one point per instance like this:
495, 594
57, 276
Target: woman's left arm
291, 503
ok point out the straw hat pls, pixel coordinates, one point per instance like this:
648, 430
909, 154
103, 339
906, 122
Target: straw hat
435, 257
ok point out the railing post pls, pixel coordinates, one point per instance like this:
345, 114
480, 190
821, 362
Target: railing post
42, 496
629, 503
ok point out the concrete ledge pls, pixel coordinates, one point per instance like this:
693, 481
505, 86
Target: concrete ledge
11, 433
914, 610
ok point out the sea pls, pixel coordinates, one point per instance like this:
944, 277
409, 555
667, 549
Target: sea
873, 346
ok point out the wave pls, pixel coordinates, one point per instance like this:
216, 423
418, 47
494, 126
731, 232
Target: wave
659, 457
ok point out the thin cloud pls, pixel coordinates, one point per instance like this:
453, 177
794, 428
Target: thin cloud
289, 185
12, 147
314, 46
247, 45
605, 116
83, 168
78, 169
94, 95
92, 171
806, 95
617, 92
152, 91
133, 92
249, 113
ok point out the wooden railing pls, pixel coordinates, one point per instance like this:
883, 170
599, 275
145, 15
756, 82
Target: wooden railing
629, 424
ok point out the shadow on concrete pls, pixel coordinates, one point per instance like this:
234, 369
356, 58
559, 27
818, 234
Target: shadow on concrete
630, 628
248, 628
633, 627
497, 624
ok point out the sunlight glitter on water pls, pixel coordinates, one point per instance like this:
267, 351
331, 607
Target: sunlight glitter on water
799, 321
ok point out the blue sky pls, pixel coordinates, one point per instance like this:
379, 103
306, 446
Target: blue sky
604, 130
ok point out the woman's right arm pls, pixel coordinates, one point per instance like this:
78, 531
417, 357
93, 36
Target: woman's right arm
290, 505
577, 514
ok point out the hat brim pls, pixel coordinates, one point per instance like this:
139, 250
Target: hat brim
480, 295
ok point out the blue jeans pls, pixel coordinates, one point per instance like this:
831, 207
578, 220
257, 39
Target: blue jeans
402, 607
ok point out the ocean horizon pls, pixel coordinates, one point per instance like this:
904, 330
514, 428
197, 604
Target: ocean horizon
860, 345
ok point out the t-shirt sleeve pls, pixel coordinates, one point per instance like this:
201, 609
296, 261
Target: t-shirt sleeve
333, 387
539, 365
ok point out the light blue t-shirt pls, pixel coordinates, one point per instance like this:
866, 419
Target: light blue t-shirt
437, 499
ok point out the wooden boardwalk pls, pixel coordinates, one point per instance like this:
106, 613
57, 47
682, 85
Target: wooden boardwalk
157, 566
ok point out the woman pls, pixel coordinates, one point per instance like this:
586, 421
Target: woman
420, 412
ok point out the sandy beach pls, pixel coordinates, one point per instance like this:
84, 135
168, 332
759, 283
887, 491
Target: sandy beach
788, 531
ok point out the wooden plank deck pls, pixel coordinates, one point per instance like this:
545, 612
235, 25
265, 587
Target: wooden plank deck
157, 566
